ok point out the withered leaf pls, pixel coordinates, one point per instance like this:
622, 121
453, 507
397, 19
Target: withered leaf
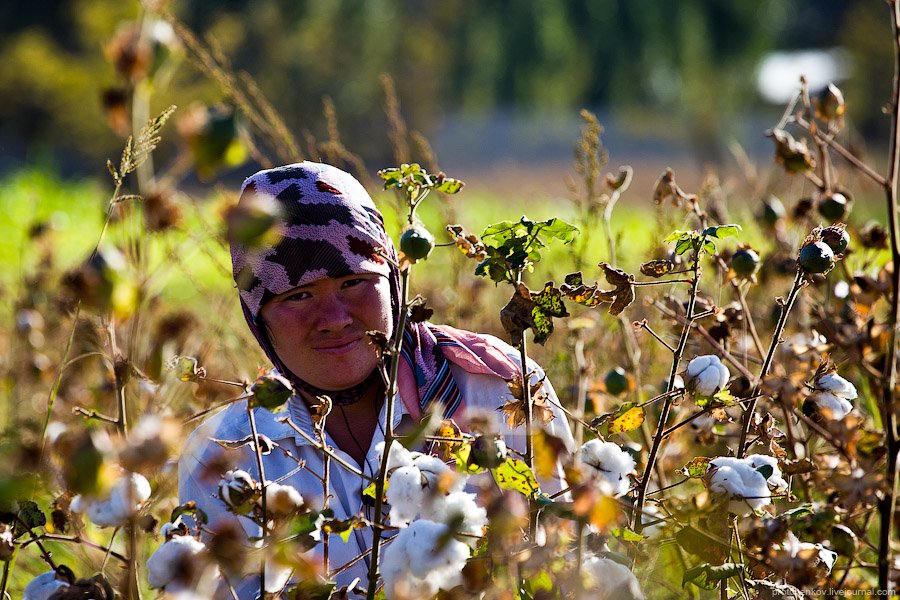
420, 312
534, 310
657, 268
266, 445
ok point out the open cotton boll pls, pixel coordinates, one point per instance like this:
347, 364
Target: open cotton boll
43, 586
406, 494
176, 563
794, 555
705, 375
125, 499
433, 469
282, 500
606, 579
420, 561
831, 406
611, 462
775, 481
740, 480
460, 511
837, 385
277, 576
398, 457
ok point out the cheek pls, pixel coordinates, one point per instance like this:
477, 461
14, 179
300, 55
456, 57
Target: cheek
380, 306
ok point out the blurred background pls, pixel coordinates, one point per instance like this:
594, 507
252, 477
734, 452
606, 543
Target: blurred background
495, 86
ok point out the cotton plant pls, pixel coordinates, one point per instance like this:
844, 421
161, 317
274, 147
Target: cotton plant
606, 579
705, 375
612, 464
181, 564
422, 559
439, 522
831, 396
801, 563
126, 498
747, 482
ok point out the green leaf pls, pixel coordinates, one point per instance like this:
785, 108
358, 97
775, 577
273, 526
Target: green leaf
30, 517
724, 397
514, 474
709, 247
723, 231
798, 512
765, 470
708, 576
449, 186
696, 467
685, 243
676, 235
539, 582
558, 229
626, 535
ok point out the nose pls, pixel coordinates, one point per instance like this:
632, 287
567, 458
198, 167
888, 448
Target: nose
333, 313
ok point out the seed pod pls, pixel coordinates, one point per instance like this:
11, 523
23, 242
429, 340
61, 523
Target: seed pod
834, 206
488, 451
772, 210
416, 243
745, 262
830, 103
816, 257
837, 238
616, 381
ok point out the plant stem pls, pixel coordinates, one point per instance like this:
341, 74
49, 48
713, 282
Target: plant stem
764, 370
262, 501
388, 432
636, 523
886, 506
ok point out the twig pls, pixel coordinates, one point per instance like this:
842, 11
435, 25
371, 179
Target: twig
776, 340
287, 421
886, 505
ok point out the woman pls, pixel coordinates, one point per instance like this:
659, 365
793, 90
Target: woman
310, 299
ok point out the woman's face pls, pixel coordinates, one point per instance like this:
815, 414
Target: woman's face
319, 329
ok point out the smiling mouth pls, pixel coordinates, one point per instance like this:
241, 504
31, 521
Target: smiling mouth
338, 348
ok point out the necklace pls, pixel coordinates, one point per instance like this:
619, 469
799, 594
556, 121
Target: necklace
341, 397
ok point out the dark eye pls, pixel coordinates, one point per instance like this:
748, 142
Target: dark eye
353, 282
300, 295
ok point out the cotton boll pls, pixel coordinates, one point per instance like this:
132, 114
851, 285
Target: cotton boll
43, 586
129, 494
837, 385
125, 499
433, 469
611, 462
282, 500
405, 494
237, 489
460, 511
830, 406
413, 566
774, 481
740, 481
175, 563
398, 457
705, 375
277, 576
606, 579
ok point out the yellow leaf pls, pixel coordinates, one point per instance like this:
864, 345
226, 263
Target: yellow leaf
515, 475
629, 420
547, 449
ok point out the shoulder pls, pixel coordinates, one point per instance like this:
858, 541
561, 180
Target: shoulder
231, 423
513, 354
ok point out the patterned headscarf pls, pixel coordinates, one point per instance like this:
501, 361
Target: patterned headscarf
330, 228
